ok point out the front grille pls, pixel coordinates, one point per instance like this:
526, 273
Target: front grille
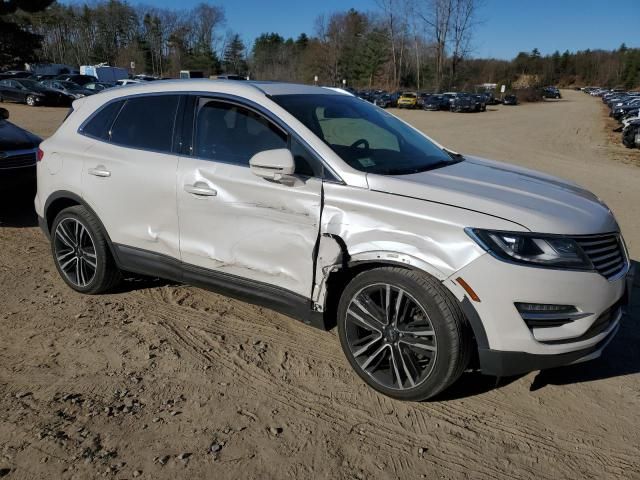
605, 252
18, 159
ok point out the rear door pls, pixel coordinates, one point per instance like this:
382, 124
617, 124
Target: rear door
129, 173
234, 222
11, 91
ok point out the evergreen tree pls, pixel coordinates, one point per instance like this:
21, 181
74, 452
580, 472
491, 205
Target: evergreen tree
234, 57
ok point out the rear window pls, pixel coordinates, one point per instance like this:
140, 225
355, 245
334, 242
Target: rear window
146, 123
98, 126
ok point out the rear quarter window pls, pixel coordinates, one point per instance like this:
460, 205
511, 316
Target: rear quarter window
99, 125
146, 122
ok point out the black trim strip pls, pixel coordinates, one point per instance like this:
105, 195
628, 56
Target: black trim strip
505, 364
283, 301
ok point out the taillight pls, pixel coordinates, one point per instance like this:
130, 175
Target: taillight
40, 155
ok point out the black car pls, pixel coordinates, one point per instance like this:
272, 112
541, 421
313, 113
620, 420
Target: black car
383, 101
15, 74
510, 100
76, 78
435, 102
463, 103
18, 153
481, 103
31, 92
551, 92
70, 89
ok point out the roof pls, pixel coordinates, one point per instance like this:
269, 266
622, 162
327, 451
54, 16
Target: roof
246, 86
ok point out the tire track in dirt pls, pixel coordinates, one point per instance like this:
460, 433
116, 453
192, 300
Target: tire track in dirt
462, 422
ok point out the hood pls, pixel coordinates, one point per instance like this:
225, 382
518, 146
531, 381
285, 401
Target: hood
15, 138
539, 202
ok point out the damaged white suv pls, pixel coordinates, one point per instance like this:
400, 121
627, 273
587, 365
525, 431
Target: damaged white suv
326, 208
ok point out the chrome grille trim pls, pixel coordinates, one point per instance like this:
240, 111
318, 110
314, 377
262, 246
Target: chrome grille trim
605, 252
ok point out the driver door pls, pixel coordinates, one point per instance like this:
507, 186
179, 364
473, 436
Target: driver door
235, 224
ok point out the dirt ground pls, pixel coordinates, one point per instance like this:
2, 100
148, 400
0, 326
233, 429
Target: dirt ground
165, 381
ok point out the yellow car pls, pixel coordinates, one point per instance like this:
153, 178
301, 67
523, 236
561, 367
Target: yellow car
408, 100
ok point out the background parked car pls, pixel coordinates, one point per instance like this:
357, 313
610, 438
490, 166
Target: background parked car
31, 92
70, 89
18, 153
463, 103
96, 87
551, 92
481, 102
435, 102
383, 101
408, 100
77, 78
510, 100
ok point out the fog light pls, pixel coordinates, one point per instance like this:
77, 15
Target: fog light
544, 315
544, 308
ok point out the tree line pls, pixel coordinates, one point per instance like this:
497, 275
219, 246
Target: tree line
421, 44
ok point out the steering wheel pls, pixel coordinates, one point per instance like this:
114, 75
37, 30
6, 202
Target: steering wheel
362, 141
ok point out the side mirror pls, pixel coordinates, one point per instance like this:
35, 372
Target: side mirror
273, 164
4, 114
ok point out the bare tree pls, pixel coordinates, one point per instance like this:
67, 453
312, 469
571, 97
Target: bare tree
436, 14
462, 23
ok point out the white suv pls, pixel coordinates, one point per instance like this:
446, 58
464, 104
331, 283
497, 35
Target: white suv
326, 208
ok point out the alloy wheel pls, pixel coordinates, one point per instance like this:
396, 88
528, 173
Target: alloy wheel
390, 336
75, 252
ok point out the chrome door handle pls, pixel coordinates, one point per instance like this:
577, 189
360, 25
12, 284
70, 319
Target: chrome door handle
99, 171
201, 189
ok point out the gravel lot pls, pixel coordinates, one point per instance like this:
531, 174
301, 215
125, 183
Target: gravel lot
166, 381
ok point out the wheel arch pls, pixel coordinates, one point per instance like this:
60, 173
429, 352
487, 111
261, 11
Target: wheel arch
340, 275
61, 199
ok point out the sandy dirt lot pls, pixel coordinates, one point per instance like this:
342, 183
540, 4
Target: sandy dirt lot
166, 381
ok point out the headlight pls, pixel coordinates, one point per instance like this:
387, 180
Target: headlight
532, 249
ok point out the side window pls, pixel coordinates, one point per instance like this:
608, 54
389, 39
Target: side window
100, 123
146, 122
230, 133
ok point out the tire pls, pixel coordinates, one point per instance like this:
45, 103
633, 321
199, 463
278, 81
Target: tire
31, 101
97, 272
431, 351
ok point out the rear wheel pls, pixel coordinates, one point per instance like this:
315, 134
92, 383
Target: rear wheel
403, 333
81, 253
31, 101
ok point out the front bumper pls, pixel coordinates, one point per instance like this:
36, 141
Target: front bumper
507, 345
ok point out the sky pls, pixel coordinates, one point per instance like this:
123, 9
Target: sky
507, 26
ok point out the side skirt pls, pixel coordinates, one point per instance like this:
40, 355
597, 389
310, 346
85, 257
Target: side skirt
283, 301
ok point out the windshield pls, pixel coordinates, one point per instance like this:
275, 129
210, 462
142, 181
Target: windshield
70, 86
32, 85
366, 137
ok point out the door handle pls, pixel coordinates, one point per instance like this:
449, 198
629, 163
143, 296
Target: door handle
201, 189
99, 171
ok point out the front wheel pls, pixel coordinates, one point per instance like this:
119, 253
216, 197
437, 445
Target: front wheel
403, 333
31, 101
81, 253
